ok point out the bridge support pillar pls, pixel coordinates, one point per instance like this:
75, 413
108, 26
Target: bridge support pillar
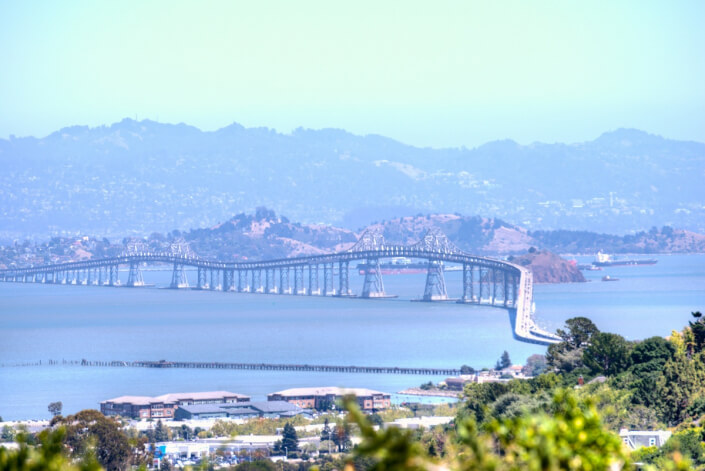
257, 281
284, 287
299, 280
113, 275
494, 286
435, 282
178, 277
343, 278
240, 282
134, 277
313, 280
468, 283
228, 280
482, 282
505, 288
373, 286
328, 282
202, 281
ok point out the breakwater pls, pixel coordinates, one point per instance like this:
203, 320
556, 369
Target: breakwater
249, 366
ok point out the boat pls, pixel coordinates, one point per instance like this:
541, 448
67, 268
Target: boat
609, 278
605, 260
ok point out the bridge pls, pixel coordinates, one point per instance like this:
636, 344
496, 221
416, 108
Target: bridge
486, 281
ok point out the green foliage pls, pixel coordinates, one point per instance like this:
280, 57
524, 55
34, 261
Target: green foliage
55, 408
504, 361
567, 355
653, 349
7, 434
161, 432
50, 455
478, 396
394, 413
698, 329
341, 436
325, 432
578, 333
535, 365
570, 436
688, 443
607, 354
256, 426
90, 431
290, 441
682, 380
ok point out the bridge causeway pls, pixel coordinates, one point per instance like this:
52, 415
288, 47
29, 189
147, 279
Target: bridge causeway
486, 281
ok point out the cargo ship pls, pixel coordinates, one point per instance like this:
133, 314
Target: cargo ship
605, 260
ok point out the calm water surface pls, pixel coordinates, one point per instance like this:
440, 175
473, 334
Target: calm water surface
42, 322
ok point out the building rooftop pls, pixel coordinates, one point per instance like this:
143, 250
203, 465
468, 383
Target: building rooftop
245, 408
175, 397
328, 390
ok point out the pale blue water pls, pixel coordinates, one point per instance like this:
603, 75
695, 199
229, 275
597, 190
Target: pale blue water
41, 322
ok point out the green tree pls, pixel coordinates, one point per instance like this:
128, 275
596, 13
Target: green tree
653, 349
682, 380
578, 332
290, 441
566, 435
567, 356
504, 361
477, 398
161, 434
698, 329
535, 365
325, 431
607, 354
50, 455
89, 429
8, 433
688, 443
467, 370
341, 436
55, 408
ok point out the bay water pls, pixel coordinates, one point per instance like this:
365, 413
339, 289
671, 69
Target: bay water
47, 322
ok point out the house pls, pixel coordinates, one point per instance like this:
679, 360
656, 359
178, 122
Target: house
457, 383
324, 398
164, 406
640, 438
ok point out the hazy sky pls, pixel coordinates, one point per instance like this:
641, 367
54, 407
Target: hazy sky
426, 73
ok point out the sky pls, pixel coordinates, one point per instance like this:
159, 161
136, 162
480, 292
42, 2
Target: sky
437, 74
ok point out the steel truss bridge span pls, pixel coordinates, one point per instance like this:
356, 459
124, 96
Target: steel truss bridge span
486, 281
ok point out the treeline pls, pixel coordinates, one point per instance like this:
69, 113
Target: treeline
655, 240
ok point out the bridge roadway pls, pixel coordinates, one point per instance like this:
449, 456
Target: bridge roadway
486, 281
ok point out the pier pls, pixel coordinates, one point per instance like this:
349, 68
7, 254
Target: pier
428, 371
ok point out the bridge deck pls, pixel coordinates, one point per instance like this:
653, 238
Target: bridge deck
520, 305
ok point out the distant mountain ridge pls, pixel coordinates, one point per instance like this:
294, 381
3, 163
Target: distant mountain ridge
134, 177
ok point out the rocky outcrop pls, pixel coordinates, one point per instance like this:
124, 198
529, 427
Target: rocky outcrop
548, 267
